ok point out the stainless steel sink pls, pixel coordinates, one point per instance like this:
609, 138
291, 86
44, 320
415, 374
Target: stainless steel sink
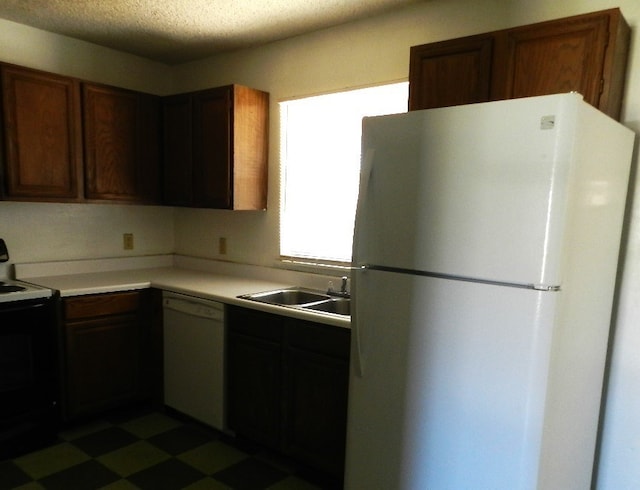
287, 297
302, 298
341, 306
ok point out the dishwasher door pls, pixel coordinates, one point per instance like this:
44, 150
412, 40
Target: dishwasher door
194, 340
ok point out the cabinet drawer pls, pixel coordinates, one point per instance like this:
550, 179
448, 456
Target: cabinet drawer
255, 324
92, 306
322, 339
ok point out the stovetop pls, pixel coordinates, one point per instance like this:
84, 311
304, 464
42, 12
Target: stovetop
13, 290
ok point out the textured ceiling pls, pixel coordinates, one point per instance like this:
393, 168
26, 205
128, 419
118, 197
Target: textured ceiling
176, 31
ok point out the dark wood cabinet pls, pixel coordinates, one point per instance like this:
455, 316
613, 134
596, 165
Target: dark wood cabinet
451, 72
177, 136
42, 135
215, 148
288, 386
254, 363
316, 387
585, 53
69, 140
121, 138
107, 351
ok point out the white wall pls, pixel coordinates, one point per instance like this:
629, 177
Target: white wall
42, 50
358, 54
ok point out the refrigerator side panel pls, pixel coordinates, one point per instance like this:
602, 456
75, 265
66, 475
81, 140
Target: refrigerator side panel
453, 384
590, 256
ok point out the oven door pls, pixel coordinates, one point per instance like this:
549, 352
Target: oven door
28, 375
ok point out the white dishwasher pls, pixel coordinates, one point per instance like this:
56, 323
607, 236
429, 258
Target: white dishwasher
194, 342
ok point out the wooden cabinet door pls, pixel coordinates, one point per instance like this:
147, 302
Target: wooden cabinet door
107, 351
584, 53
102, 364
212, 149
557, 57
316, 391
450, 72
121, 139
254, 383
41, 116
177, 120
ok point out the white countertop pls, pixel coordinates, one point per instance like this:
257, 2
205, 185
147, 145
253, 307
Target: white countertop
217, 283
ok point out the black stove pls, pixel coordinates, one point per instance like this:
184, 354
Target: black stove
29, 395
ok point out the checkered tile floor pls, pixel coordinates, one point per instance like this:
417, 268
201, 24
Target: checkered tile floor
149, 450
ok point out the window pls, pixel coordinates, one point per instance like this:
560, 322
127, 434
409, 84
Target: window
320, 156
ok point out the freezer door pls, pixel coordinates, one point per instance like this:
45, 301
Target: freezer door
448, 382
488, 190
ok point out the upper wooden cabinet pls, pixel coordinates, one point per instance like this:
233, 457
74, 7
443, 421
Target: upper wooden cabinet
215, 148
42, 135
65, 140
121, 131
585, 53
451, 72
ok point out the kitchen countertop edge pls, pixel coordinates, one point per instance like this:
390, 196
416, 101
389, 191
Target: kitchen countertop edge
207, 285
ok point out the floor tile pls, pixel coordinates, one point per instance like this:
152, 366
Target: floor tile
11, 476
81, 430
150, 425
212, 457
293, 483
181, 439
105, 441
30, 486
250, 474
89, 475
125, 414
207, 484
143, 450
120, 485
133, 458
168, 475
50, 460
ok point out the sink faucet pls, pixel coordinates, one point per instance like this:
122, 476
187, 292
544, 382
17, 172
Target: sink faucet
343, 288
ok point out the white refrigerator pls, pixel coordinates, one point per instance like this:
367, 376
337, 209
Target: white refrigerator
485, 253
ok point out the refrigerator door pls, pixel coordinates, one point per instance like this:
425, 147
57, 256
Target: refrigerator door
452, 391
482, 190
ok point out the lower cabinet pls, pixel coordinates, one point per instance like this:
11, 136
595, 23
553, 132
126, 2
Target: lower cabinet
288, 386
254, 367
107, 351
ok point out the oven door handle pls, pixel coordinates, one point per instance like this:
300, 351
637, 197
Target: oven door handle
9, 306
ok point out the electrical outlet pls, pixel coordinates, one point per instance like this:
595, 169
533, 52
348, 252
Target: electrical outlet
127, 241
222, 245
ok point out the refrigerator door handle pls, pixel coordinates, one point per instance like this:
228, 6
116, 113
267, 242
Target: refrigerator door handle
356, 325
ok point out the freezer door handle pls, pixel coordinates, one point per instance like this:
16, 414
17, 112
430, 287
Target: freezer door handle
366, 176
